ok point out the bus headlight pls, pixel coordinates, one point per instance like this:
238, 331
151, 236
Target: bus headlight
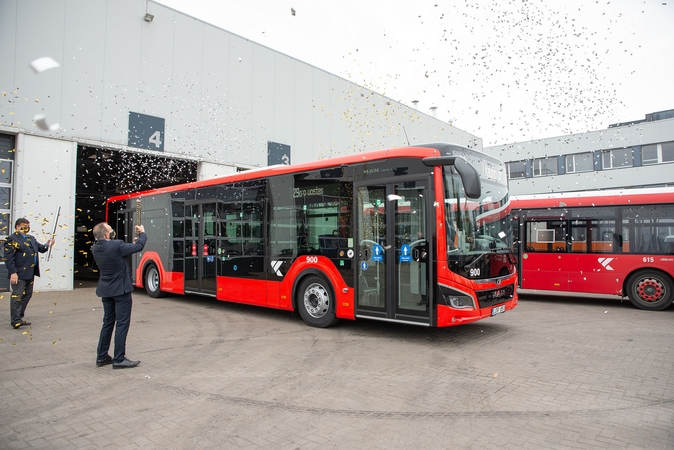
456, 299
461, 302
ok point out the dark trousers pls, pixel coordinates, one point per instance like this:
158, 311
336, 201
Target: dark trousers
116, 310
21, 294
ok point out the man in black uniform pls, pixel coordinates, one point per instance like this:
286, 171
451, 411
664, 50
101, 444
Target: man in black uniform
114, 288
23, 265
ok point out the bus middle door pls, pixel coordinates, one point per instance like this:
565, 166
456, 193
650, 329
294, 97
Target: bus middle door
200, 249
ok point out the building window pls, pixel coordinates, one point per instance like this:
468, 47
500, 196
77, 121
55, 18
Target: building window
545, 167
517, 169
649, 154
582, 162
6, 171
667, 151
619, 157
657, 153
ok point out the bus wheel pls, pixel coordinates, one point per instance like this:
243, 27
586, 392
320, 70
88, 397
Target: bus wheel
650, 290
315, 302
152, 282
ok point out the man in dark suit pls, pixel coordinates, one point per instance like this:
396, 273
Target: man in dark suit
23, 265
114, 288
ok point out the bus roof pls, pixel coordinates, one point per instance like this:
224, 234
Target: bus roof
419, 151
594, 198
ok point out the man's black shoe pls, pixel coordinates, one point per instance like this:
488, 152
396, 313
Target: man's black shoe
105, 361
25, 323
16, 326
126, 364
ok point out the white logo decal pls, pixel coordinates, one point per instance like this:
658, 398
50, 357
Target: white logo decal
276, 265
605, 262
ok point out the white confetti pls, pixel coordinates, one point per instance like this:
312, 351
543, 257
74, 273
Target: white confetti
42, 64
41, 121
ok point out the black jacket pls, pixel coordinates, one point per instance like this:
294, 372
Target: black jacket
111, 259
21, 256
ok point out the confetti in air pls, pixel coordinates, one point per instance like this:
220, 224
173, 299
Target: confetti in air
41, 121
42, 64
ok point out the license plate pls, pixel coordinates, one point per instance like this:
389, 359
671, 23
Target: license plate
497, 310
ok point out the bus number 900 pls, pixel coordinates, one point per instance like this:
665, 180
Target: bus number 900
312, 259
474, 272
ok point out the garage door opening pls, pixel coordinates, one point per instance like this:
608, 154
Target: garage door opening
103, 173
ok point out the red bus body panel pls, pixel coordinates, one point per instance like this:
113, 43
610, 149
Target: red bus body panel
592, 273
242, 290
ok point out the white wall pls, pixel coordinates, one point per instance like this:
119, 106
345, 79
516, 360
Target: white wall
45, 168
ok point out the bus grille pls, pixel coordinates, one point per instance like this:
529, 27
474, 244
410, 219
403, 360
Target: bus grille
492, 297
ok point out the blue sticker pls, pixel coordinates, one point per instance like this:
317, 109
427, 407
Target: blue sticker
235, 267
377, 253
405, 253
364, 265
209, 258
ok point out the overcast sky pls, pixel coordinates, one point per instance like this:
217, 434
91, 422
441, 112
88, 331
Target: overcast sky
506, 71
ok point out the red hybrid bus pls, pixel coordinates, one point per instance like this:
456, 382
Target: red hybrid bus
605, 242
416, 235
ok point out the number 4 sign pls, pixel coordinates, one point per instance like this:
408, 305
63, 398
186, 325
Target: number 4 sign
146, 131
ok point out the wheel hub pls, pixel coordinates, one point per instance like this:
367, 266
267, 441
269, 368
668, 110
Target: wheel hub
316, 301
650, 290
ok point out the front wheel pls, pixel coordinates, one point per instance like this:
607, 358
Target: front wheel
650, 290
315, 302
152, 282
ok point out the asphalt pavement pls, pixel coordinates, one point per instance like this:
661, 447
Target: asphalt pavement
555, 373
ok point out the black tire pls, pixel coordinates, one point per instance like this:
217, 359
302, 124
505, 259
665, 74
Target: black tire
650, 290
316, 302
152, 282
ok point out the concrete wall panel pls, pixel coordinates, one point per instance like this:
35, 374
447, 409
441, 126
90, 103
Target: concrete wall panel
262, 101
83, 68
285, 91
44, 167
215, 95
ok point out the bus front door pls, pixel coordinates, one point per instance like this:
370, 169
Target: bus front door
394, 269
200, 248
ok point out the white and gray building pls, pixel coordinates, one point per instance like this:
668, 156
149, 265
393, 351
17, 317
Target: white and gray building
633, 154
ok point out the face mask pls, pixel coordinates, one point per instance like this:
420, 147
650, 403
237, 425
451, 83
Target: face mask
113, 234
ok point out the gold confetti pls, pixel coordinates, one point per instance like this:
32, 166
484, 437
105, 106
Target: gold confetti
54, 343
25, 332
495, 375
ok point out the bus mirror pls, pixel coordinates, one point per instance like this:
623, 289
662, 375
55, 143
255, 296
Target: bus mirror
469, 175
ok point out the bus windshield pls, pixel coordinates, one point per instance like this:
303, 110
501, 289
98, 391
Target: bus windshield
477, 227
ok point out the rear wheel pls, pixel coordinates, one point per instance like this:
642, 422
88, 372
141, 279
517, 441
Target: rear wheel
650, 290
152, 282
315, 301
